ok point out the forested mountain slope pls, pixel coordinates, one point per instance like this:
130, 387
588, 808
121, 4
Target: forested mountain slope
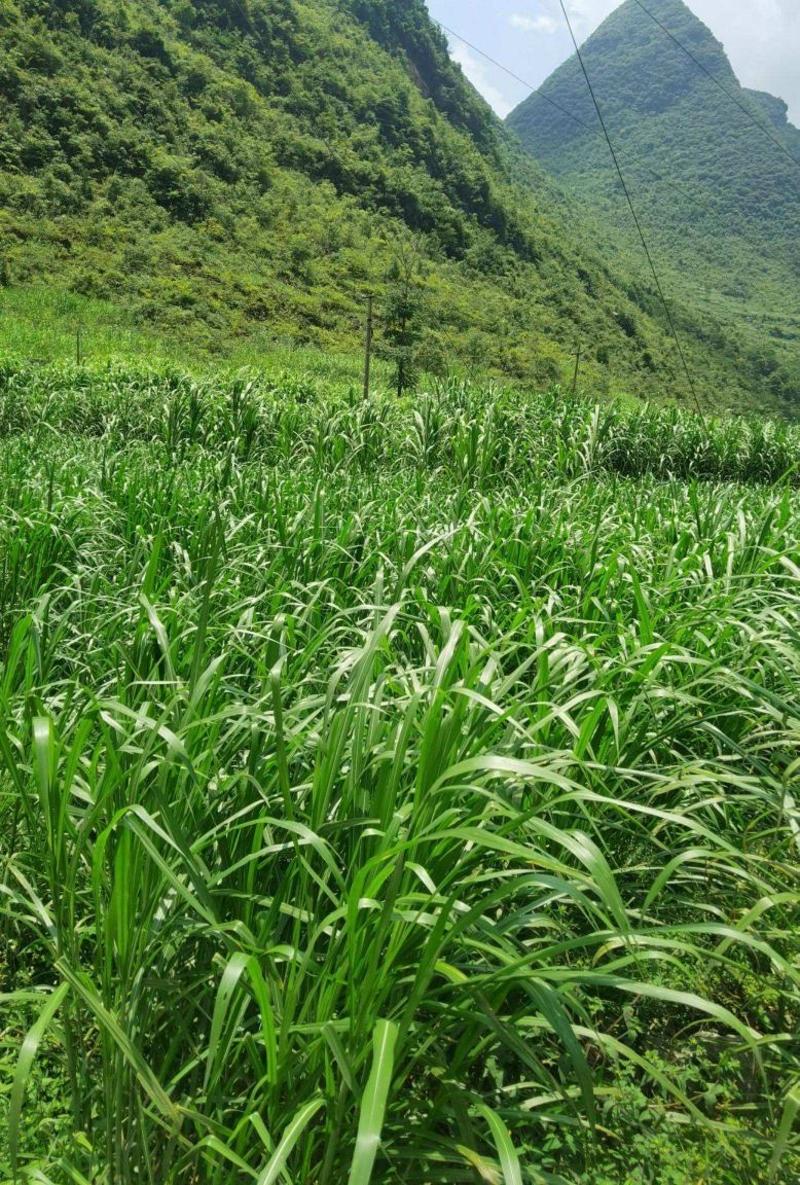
224, 168
719, 198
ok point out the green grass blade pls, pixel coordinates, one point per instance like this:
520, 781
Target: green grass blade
291, 1135
373, 1103
507, 1153
30, 1046
791, 1109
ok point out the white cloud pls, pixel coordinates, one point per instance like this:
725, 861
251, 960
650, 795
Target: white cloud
478, 75
585, 15
534, 24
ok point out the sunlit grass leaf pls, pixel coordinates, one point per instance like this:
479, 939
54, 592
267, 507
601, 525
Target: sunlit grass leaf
373, 1103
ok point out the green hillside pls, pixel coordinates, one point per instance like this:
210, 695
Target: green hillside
720, 201
224, 174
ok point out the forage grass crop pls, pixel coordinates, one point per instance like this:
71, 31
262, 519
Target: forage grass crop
394, 793
475, 435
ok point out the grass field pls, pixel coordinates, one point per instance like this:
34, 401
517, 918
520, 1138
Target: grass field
394, 792
42, 326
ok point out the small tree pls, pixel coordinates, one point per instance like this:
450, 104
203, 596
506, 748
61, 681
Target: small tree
403, 313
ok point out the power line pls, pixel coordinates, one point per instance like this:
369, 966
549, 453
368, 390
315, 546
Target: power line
615, 157
634, 215
702, 66
539, 94
528, 85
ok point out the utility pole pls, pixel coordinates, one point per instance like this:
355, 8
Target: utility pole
578, 352
368, 345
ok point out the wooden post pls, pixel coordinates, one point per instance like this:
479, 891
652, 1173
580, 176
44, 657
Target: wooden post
578, 353
78, 344
368, 345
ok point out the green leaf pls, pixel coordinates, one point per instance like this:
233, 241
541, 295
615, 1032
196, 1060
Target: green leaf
507, 1153
30, 1047
291, 1135
791, 1108
373, 1103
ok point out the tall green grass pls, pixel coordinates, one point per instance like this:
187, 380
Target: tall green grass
395, 793
299, 407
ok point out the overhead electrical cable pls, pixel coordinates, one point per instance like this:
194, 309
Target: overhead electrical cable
634, 215
570, 115
729, 94
528, 85
615, 158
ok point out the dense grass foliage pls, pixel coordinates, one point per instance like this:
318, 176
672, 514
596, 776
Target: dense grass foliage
500, 436
225, 173
719, 200
394, 793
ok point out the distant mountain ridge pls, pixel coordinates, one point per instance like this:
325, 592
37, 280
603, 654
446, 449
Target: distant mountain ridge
725, 218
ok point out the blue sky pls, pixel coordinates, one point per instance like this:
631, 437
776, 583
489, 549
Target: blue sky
762, 38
